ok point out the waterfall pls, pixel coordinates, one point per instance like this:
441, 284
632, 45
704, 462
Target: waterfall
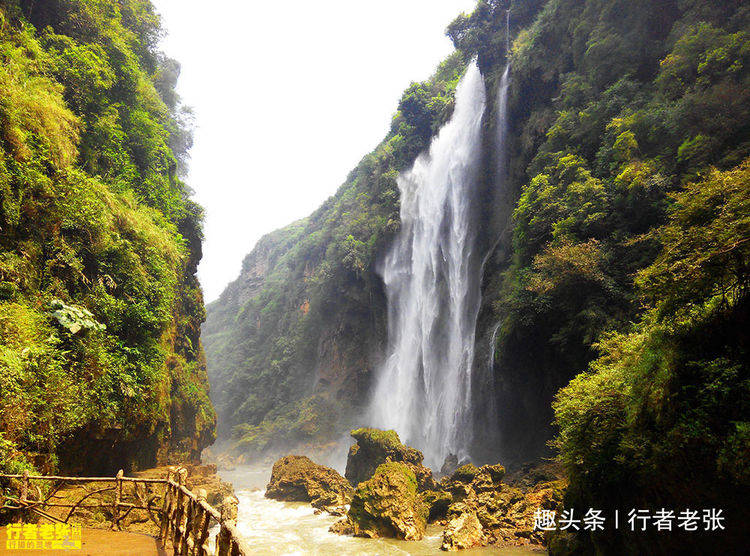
487, 405
501, 178
432, 282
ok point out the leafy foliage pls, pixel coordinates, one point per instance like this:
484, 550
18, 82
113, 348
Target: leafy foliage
675, 389
74, 318
99, 238
628, 151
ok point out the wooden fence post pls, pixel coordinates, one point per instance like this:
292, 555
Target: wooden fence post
202, 526
224, 541
118, 498
187, 541
178, 522
25, 486
166, 506
186, 516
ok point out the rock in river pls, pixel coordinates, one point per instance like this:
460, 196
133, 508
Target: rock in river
299, 479
375, 447
388, 505
463, 531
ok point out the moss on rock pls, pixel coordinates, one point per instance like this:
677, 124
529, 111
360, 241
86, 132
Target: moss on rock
463, 531
375, 447
299, 479
388, 505
465, 473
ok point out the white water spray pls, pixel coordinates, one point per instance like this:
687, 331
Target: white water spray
432, 277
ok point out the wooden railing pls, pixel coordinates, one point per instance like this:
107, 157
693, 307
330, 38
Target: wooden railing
188, 517
183, 518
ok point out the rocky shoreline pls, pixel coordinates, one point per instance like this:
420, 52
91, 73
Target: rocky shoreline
388, 492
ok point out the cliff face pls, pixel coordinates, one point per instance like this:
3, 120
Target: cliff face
614, 109
100, 307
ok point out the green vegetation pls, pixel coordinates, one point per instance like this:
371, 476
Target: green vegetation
388, 505
619, 283
670, 398
100, 356
629, 146
376, 439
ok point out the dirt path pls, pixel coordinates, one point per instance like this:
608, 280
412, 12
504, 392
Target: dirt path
97, 542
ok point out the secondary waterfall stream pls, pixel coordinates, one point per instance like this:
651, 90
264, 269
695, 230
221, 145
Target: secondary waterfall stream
501, 178
432, 277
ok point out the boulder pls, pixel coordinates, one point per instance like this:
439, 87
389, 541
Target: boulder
463, 531
342, 527
504, 512
388, 505
489, 478
375, 447
465, 474
299, 479
449, 465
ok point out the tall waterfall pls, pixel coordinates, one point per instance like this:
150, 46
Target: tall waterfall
432, 282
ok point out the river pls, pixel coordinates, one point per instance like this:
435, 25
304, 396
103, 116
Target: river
292, 528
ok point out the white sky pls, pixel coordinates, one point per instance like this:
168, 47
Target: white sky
289, 95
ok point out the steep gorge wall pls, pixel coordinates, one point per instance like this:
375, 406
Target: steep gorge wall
605, 108
100, 306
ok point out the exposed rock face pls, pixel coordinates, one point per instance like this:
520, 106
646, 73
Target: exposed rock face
449, 465
465, 473
463, 531
473, 503
388, 505
505, 513
299, 479
375, 447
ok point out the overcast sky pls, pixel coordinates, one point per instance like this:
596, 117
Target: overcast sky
289, 96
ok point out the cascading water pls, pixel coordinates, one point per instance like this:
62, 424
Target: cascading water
432, 281
502, 156
501, 170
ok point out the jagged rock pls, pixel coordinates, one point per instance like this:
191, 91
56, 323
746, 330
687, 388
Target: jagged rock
425, 480
299, 479
465, 473
463, 531
504, 512
388, 505
449, 465
342, 527
375, 447
489, 478
437, 501
459, 491
228, 508
338, 511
